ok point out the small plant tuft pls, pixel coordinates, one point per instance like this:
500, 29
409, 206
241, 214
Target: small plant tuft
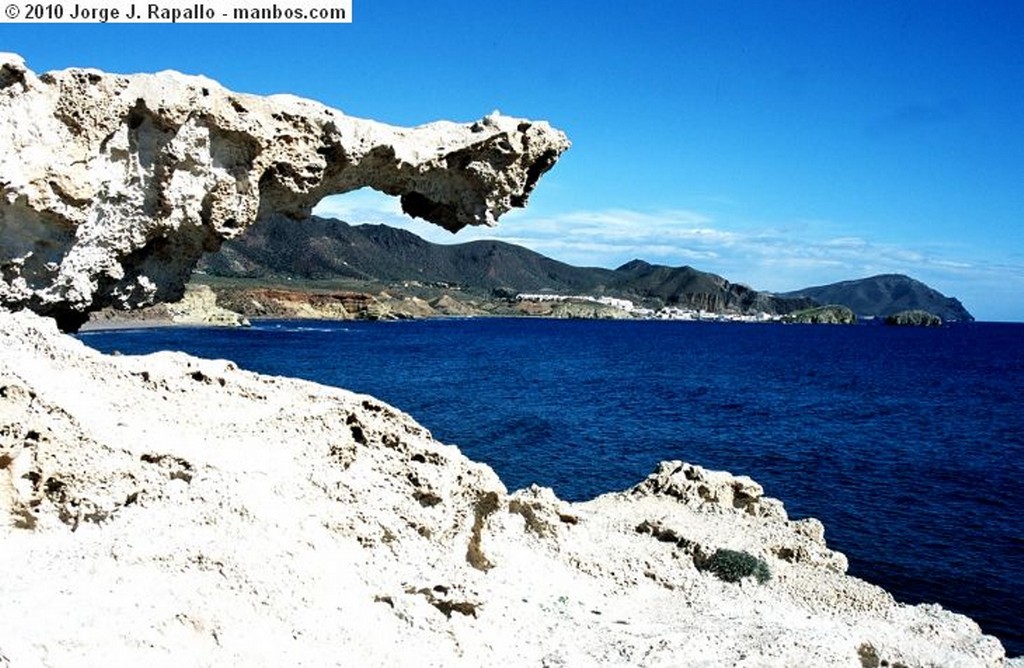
733, 566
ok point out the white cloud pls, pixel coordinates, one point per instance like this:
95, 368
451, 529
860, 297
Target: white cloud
847, 242
362, 206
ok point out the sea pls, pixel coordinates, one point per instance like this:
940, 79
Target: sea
908, 443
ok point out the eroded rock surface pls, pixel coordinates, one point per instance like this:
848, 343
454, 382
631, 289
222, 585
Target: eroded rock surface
914, 318
168, 510
113, 186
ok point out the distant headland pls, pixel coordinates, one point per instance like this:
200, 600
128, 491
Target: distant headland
325, 268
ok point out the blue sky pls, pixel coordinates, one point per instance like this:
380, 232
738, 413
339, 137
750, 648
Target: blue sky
780, 144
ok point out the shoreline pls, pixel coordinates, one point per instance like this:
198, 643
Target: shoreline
392, 514
154, 323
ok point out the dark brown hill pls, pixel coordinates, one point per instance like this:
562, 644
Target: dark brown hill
686, 287
321, 248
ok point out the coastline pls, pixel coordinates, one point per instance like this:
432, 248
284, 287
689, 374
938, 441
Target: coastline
216, 300
117, 325
169, 509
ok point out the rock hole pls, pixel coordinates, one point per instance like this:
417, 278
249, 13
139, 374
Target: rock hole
485, 505
447, 607
54, 488
869, 656
427, 499
358, 435
137, 116
24, 519
462, 607
11, 75
785, 554
181, 475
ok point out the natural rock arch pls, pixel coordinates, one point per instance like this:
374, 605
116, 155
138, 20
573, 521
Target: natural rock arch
113, 186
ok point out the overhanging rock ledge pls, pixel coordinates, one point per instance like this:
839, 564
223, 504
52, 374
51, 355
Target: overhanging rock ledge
114, 185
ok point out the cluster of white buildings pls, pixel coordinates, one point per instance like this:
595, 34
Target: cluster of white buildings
675, 313
665, 313
624, 304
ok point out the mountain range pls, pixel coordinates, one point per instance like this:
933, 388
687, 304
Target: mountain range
323, 249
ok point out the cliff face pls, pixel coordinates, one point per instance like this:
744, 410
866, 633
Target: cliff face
885, 295
185, 512
113, 186
686, 287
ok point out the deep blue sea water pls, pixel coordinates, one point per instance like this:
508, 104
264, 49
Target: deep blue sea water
907, 443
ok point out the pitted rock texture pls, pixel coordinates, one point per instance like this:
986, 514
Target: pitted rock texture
113, 186
166, 510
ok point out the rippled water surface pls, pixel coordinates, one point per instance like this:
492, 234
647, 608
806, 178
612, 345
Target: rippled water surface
907, 443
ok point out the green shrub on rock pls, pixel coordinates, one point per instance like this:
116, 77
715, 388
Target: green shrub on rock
733, 566
914, 318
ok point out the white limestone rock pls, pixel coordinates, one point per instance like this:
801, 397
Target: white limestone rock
167, 510
112, 186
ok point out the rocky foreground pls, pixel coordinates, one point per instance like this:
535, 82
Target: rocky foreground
169, 510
